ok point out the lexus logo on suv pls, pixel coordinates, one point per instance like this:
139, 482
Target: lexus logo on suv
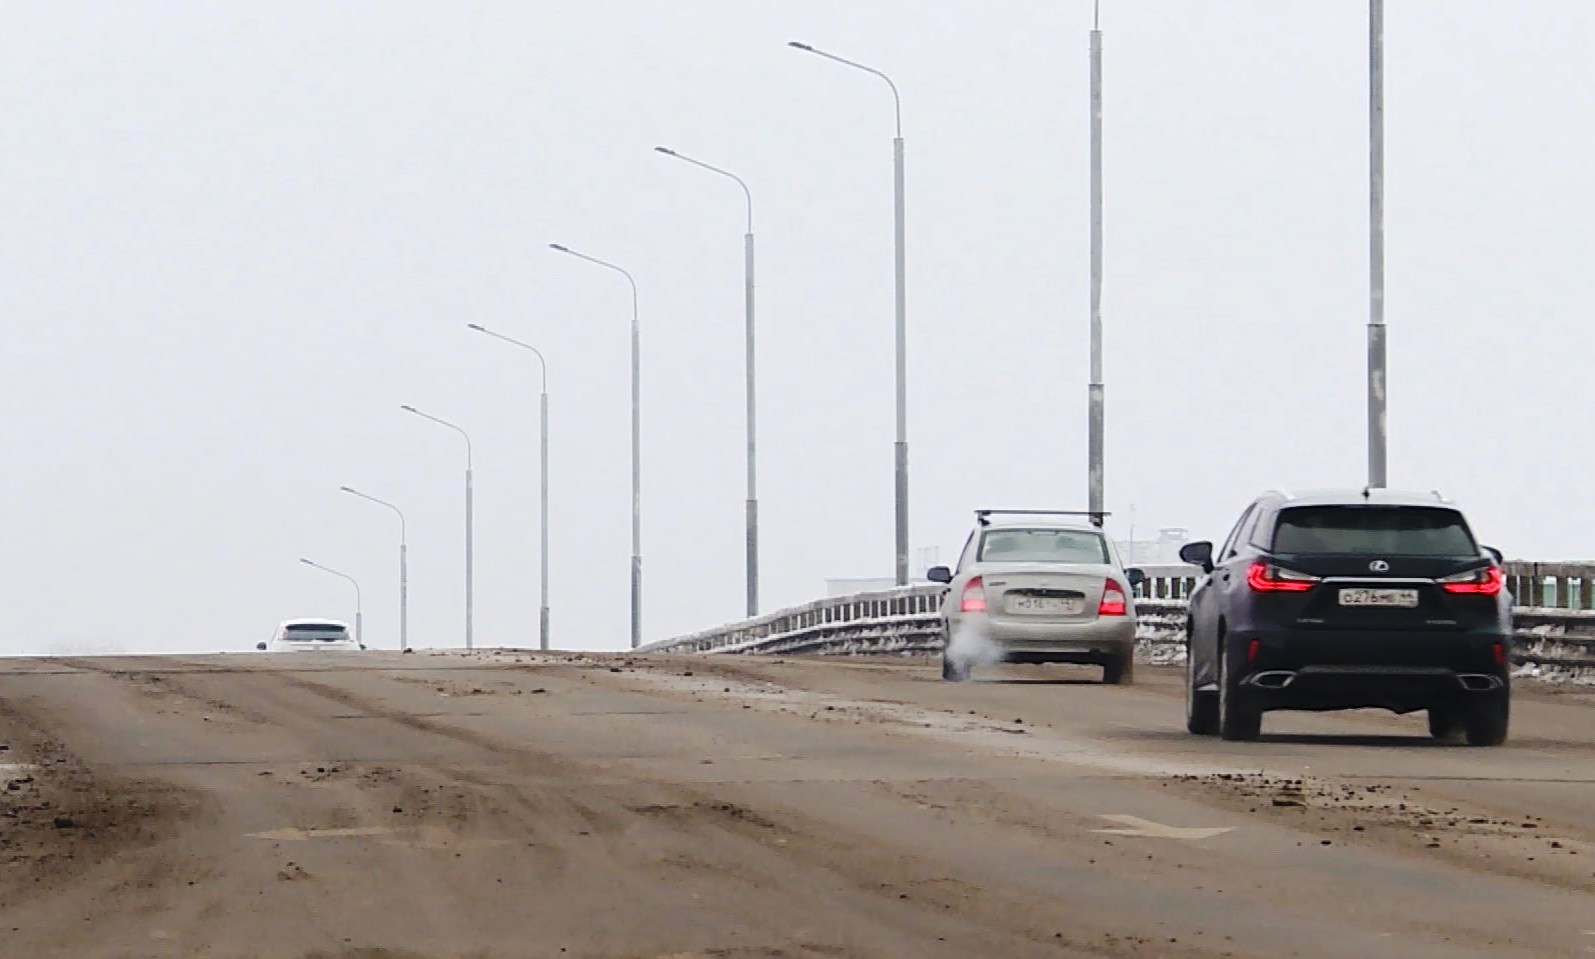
1379, 566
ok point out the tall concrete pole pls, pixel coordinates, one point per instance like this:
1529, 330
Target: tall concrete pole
1377, 381
753, 455
1095, 391
900, 448
542, 612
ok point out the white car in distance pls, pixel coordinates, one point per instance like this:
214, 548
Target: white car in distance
311, 635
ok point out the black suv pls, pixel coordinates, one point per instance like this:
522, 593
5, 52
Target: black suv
1347, 600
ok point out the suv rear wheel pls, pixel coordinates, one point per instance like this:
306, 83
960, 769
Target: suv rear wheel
1485, 722
1444, 723
1238, 720
1201, 709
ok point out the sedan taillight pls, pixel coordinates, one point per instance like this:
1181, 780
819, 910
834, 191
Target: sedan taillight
1113, 601
974, 597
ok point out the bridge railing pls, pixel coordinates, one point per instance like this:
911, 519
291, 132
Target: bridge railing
1540, 585
1555, 630
908, 616
1552, 585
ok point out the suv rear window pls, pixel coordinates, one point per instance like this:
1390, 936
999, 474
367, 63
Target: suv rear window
1043, 546
314, 628
1385, 530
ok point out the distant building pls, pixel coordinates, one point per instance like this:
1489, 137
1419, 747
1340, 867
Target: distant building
846, 585
1162, 551
860, 584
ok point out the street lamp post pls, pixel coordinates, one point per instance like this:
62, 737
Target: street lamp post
901, 447
404, 573
542, 617
636, 448
753, 495
359, 616
468, 550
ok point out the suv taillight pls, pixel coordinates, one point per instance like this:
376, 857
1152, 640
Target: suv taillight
1269, 578
1113, 601
1478, 582
974, 597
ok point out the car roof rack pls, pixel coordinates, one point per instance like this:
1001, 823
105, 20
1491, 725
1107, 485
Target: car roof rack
1439, 497
983, 516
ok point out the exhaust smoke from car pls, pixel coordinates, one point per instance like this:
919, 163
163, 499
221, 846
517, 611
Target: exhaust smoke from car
971, 645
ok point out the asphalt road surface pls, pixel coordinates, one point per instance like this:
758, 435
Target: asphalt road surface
378, 806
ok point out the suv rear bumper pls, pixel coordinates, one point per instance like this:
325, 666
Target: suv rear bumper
1403, 672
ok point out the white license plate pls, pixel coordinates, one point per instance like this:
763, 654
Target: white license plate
1399, 598
1045, 605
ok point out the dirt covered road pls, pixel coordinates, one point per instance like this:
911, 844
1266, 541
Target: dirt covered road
379, 806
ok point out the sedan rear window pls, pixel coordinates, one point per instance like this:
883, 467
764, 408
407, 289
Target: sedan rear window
1382, 530
1043, 546
314, 628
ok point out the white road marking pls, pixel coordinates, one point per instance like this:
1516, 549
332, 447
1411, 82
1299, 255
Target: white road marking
436, 837
300, 835
415, 837
1136, 826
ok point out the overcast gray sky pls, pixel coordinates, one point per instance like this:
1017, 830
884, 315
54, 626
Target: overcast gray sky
237, 236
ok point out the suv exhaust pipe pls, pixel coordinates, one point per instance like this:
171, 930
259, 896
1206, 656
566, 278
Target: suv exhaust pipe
1479, 682
1273, 679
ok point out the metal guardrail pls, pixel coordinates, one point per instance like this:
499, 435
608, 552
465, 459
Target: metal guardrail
877, 620
1539, 585
1559, 635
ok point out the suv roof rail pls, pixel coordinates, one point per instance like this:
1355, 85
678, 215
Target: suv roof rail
983, 516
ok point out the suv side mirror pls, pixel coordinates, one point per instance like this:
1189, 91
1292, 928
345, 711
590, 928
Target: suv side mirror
1135, 576
939, 574
1198, 554
261, 647
1496, 554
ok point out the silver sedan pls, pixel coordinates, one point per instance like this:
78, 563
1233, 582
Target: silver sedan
1038, 591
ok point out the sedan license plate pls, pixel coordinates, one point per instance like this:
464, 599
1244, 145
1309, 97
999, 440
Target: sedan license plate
1398, 598
1045, 605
